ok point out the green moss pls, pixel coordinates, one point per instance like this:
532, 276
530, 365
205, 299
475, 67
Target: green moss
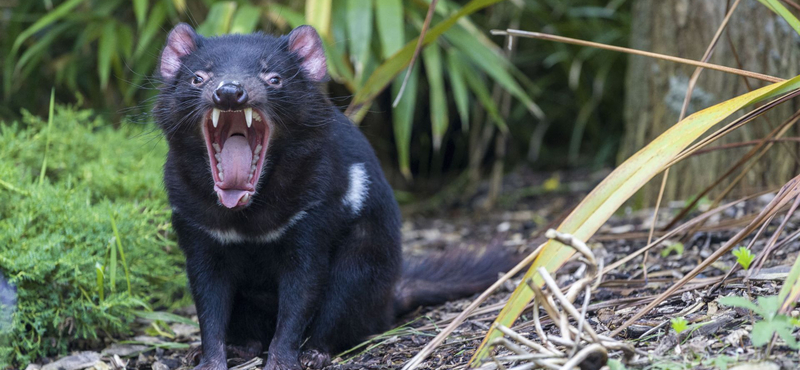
57, 244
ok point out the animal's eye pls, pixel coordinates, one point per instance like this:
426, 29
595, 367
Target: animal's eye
274, 80
197, 80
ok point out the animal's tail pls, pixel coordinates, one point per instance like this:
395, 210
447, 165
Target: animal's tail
432, 280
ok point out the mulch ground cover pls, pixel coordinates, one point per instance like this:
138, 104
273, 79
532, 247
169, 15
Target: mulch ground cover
720, 335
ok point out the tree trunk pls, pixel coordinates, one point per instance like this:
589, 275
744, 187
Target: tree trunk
655, 89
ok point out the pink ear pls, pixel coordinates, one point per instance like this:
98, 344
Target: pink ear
305, 42
180, 42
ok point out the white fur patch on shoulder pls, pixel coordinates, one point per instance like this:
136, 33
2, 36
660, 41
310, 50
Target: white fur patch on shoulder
358, 189
233, 237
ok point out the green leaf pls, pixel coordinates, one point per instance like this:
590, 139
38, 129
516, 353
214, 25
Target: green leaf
720, 362
52, 16
158, 14
744, 257
762, 333
389, 22
246, 19
432, 58
359, 32
459, 87
403, 121
478, 86
98, 270
790, 291
180, 5
337, 66
736, 301
286, 14
615, 365
165, 317
494, 64
784, 327
674, 247
336, 47
781, 10
767, 306
318, 15
112, 267
218, 21
41, 45
125, 40
140, 11
679, 324
621, 184
387, 71
106, 48
47, 138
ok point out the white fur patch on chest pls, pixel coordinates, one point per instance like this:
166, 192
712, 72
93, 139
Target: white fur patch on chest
358, 188
233, 236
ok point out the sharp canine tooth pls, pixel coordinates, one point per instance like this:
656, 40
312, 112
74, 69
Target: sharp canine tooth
245, 198
248, 116
215, 117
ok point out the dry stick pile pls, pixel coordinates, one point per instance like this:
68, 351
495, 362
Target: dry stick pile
577, 345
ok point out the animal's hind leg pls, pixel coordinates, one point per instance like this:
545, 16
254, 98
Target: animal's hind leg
359, 295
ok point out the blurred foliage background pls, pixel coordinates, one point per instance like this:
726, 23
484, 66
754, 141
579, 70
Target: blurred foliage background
469, 100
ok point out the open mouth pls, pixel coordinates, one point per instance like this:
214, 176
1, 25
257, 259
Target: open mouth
237, 144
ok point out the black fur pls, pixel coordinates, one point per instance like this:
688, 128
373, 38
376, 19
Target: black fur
330, 278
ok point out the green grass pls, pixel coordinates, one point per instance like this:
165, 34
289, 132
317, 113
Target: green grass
90, 243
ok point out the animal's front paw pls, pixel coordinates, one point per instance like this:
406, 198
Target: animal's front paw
211, 366
276, 362
314, 359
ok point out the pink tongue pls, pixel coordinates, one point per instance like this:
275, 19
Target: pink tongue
230, 198
236, 161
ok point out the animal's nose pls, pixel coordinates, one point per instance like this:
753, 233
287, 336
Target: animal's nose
230, 95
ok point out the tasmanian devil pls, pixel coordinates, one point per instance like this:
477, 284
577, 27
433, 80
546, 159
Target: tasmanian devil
290, 231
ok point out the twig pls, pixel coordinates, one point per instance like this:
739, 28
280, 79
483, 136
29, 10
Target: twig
655, 218
741, 144
435, 342
771, 244
417, 49
737, 266
704, 216
777, 132
788, 192
255, 361
686, 99
568, 40
581, 341
582, 355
